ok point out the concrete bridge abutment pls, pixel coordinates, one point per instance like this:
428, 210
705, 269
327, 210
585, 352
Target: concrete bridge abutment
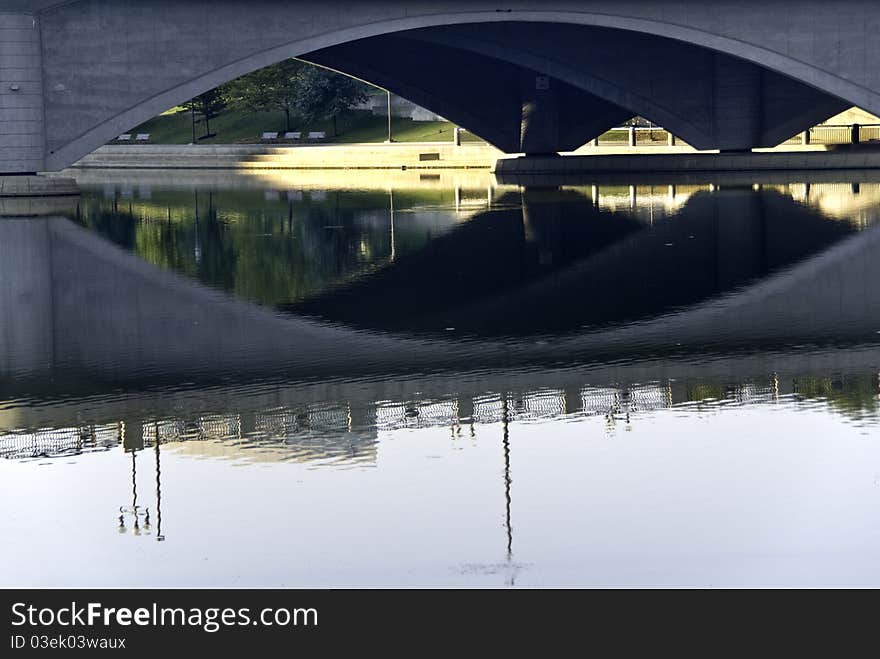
22, 135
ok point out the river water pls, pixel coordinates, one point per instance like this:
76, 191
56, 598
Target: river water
442, 379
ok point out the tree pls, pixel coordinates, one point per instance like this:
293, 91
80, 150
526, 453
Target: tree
209, 105
271, 88
324, 94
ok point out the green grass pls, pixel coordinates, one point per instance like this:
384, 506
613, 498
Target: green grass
232, 127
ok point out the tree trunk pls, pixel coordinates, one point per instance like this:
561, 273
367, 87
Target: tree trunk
335, 134
287, 118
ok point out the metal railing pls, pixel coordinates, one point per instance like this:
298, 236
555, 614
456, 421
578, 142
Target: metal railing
637, 136
826, 134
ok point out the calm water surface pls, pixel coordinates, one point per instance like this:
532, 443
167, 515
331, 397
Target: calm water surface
411, 378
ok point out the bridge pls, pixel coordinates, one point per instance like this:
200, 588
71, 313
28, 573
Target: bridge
532, 78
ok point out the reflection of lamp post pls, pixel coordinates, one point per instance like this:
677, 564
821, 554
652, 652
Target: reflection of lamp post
134, 509
159, 536
391, 210
505, 443
141, 516
197, 249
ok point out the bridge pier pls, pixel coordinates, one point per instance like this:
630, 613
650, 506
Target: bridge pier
539, 128
22, 134
22, 130
736, 103
709, 99
513, 107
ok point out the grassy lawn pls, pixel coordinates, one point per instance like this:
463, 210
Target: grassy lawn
175, 127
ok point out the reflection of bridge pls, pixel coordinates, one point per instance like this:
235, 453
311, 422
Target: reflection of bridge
73, 303
80, 315
529, 78
562, 262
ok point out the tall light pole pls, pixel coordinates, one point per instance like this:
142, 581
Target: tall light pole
388, 96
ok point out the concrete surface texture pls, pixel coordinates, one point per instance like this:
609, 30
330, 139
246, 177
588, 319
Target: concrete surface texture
530, 77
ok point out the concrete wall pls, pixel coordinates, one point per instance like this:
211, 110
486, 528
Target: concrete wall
21, 95
110, 64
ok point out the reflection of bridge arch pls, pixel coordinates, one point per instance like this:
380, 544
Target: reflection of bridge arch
94, 308
100, 81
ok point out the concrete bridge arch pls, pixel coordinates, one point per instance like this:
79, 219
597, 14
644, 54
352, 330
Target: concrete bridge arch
91, 69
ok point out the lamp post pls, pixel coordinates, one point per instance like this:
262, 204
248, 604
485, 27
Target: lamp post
388, 106
388, 98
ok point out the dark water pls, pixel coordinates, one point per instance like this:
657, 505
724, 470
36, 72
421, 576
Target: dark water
442, 379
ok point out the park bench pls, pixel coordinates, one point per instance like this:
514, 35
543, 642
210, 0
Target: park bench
270, 136
142, 137
125, 137
317, 135
292, 135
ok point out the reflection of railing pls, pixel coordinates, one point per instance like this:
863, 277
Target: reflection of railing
342, 431
58, 442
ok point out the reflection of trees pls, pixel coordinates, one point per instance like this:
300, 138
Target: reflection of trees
270, 249
854, 396
701, 391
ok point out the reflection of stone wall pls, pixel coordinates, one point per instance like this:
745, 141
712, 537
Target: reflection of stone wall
26, 296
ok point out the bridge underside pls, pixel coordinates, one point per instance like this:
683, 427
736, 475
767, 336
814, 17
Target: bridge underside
75, 74
544, 88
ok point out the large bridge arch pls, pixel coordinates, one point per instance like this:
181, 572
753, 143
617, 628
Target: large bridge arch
710, 99
238, 37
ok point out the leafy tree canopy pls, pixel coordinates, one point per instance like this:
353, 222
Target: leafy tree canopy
295, 87
271, 88
324, 94
209, 105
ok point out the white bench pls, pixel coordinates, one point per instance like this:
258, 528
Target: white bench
317, 135
270, 136
142, 137
125, 137
293, 135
